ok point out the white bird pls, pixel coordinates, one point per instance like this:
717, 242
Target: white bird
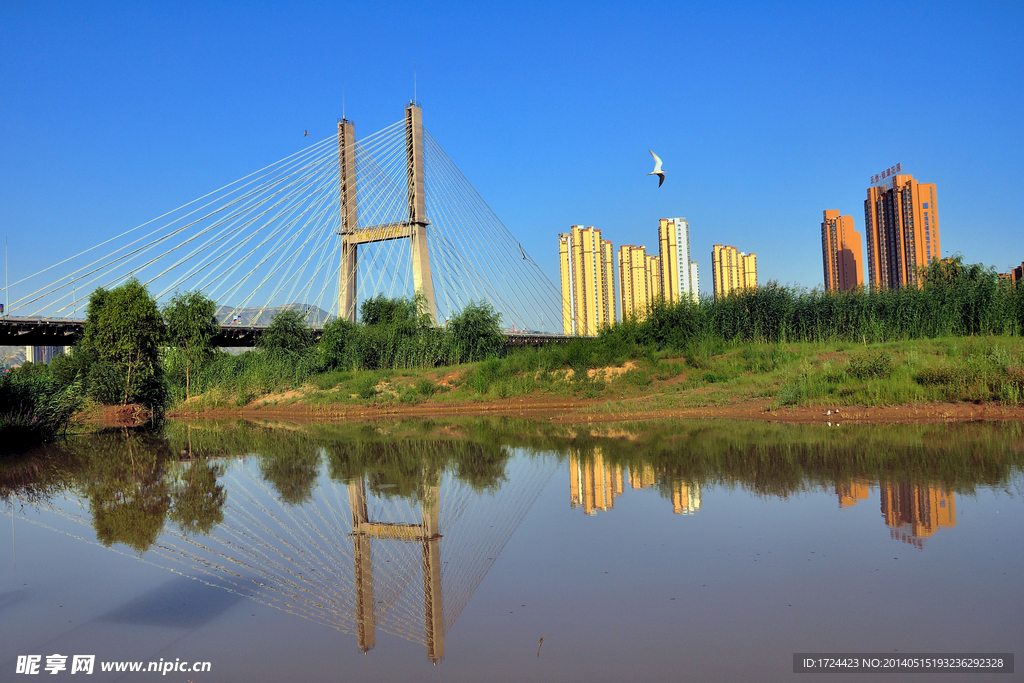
657, 169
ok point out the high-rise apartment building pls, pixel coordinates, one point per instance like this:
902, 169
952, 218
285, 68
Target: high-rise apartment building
732, 269
588, 282
639, 281
678, 273
44, 354
901, 222
841, 253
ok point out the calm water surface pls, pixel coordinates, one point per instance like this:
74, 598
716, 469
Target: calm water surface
446, 551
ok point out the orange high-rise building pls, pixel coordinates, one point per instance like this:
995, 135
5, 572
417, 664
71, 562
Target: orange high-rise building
732, 269
679, 278
841, 253
685, 498
901, 222
642, 477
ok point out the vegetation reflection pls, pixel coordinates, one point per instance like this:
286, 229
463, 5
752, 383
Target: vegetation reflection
136, 483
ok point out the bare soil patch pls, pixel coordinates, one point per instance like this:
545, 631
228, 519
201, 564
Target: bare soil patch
131, 415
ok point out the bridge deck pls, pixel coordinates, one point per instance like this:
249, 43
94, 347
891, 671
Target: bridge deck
65, 332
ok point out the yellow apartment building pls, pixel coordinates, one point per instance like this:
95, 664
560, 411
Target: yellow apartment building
732, 269
593, 485
678, 273
588, 282
851, 492
639, 281
914, 512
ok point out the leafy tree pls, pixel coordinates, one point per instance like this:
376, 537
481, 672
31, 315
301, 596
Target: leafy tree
475, 333
126, 484
338, 346
123, 326
380, 310
191, 320
288, 331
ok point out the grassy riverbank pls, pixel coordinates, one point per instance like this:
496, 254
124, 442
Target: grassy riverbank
974, 370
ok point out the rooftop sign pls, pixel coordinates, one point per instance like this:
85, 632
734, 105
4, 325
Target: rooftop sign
886, 174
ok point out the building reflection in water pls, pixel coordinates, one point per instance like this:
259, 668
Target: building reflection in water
852, 491
594, 484
912, 512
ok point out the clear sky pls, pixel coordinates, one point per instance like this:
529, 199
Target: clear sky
765, 114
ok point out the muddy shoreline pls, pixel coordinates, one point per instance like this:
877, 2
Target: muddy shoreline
583, 411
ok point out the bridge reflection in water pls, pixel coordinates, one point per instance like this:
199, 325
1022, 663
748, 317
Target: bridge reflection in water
356, 555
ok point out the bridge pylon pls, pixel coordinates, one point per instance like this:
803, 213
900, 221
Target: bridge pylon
413, 228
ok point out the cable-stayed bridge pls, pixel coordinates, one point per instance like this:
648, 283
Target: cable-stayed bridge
319, 231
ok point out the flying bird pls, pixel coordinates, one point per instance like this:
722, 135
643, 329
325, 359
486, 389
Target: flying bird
657, 169
525, 257
305, 134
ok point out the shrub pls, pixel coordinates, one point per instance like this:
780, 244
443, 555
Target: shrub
366, 386
872, 366
34, 409
426, 387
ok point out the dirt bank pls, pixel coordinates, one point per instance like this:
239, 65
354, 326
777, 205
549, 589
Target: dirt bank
577, 411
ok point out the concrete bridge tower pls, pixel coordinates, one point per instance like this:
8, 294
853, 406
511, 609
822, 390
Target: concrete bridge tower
414, 228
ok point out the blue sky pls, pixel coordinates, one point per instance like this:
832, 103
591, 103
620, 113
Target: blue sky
764, 115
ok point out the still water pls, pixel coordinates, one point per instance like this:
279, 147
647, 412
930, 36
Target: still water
507, 550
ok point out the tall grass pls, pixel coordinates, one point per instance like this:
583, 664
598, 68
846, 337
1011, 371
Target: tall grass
955, 300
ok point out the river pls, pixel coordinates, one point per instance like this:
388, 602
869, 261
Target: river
510, 550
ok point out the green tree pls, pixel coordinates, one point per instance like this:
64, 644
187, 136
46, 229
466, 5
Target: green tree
191, 320
475, 333
123, 326
288, 331
338, 346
